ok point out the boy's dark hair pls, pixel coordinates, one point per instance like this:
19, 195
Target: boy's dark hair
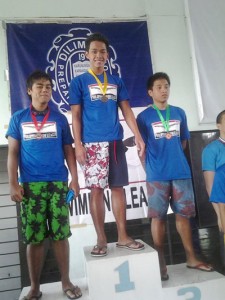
96, 37
156, 76
219, 117
36, 75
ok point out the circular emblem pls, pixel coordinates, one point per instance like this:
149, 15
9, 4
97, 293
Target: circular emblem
67, 60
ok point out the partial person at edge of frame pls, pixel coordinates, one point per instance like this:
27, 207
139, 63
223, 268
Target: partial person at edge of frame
213, 167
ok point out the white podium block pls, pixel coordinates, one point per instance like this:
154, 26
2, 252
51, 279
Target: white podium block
187, 283
123, 274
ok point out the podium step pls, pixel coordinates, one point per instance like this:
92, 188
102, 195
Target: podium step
123, 274
187, 283
134, 275
53, 291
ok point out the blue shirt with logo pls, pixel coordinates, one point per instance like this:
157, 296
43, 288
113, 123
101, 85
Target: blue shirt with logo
41, 156
100, 119
165, 158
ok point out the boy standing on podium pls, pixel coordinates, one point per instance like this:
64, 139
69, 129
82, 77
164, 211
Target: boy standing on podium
165, 133
95, 98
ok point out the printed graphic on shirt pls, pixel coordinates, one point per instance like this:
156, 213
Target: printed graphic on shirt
96, 93
49, 130
160, 132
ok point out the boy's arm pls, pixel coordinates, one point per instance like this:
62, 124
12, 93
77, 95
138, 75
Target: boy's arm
72, 165
131, 122
76, 126
209, 177
16, 191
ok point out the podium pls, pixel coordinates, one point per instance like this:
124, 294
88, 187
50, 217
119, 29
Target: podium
123, 274
187, 283
135, 275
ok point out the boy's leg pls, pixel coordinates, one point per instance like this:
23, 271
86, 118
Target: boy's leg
158, 230
61, 250
34, 231
118, 178
184, 229
119, 211
183, 205
97, 209
35, 257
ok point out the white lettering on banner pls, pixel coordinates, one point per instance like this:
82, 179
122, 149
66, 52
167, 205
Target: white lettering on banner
135, 195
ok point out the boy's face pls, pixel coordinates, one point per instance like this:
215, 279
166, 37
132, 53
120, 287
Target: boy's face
160, 91
97, 55
40, 92
221, 125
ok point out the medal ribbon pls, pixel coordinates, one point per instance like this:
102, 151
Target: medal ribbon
102, 87
37, 124
164, 122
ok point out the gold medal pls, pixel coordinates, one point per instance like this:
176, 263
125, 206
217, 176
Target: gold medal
103, 87
168, 135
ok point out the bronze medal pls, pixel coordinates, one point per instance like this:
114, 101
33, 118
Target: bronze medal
168, 135
104, 98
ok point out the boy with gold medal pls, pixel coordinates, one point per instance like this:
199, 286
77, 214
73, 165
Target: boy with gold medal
94, 99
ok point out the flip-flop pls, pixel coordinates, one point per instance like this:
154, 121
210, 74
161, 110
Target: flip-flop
129, 246
33, 297
202, 267
73, 291
164, 274
164, 277
99, 251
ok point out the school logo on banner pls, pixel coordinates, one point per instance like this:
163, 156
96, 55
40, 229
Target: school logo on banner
59, 49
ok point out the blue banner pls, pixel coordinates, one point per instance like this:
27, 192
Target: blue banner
59, 50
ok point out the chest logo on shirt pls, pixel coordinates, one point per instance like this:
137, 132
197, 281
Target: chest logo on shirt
96, 93
160, 132
48, 131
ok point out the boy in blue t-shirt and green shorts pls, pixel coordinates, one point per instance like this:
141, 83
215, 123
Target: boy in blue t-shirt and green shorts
39, 142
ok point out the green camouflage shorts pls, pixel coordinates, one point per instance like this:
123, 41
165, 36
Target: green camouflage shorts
44, 212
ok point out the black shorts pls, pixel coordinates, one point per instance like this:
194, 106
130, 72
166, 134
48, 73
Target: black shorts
118, 172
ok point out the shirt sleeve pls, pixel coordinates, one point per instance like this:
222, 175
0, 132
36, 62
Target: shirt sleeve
66, 132
75, 91
142, 127
14, 128
208, 159
184, 132
122, 91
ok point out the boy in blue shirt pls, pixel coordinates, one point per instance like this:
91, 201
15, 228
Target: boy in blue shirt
164, 130
213, 166
95, 97
39, 142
